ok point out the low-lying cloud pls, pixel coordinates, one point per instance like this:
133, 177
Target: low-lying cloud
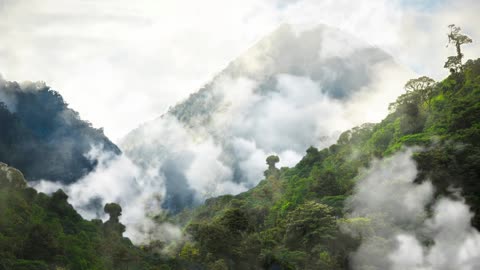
139, 191
281, 97
147, 57
273, 106
409, 228
269, 101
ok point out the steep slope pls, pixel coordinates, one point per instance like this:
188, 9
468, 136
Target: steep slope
314, 80
337, 62
305, 217
38, 232
44, 138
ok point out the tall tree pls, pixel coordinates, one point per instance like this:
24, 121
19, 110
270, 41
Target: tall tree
417, 92
454, 63
272, 170
421, 87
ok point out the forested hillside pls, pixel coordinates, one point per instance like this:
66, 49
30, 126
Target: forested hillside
291, 78
40, 232
292, 219
43, 137
296, 218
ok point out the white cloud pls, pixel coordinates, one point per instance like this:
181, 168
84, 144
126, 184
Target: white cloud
139, 191
120, 64
207, 175
403, 235
113, 60
388, 188
241, 119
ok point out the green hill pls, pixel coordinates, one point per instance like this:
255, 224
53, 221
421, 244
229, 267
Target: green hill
255, 100
40, 232
291, 219
43, 137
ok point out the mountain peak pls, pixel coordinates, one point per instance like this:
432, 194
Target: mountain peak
293, 79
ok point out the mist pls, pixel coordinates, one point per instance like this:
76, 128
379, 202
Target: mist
151, 56
410, 228
301, 87
139, 191
267, 101
216, 142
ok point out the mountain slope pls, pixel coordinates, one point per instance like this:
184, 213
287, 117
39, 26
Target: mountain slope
303, 217
40, 232
336, 61
257, 105
44, 138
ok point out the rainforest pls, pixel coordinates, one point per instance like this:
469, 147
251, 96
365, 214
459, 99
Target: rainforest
316, 145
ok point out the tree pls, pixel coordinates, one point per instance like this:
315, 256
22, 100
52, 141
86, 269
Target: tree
114, 210
189, 252
454, 63
113, 225
212, 237
406, 103
272, 170
419, 84
310, 224
325, 183
417, 92
235, 220
271, 161
42, 242
421, 87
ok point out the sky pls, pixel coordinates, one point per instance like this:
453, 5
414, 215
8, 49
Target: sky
120, 64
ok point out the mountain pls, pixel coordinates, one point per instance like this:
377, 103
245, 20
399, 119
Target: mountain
400, 194
295, 88
40, 232
43, 137
407, 185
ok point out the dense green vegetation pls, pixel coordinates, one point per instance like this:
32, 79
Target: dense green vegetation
291, 219
44, 138
40, 232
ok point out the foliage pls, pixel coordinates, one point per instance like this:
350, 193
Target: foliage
293, 219
41, 136
272, 171
298, 221
454, 63
42, 232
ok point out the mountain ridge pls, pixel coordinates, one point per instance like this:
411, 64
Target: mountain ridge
286, 68
44, 137
442, 134
296, 218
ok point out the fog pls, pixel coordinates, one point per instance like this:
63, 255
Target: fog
268, 101
410, 229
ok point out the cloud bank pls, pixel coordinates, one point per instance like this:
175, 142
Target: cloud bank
410, 229
289, 92
138, 60
215, 142
116, 178
42, 136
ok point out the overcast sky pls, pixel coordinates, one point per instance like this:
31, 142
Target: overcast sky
121, 62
